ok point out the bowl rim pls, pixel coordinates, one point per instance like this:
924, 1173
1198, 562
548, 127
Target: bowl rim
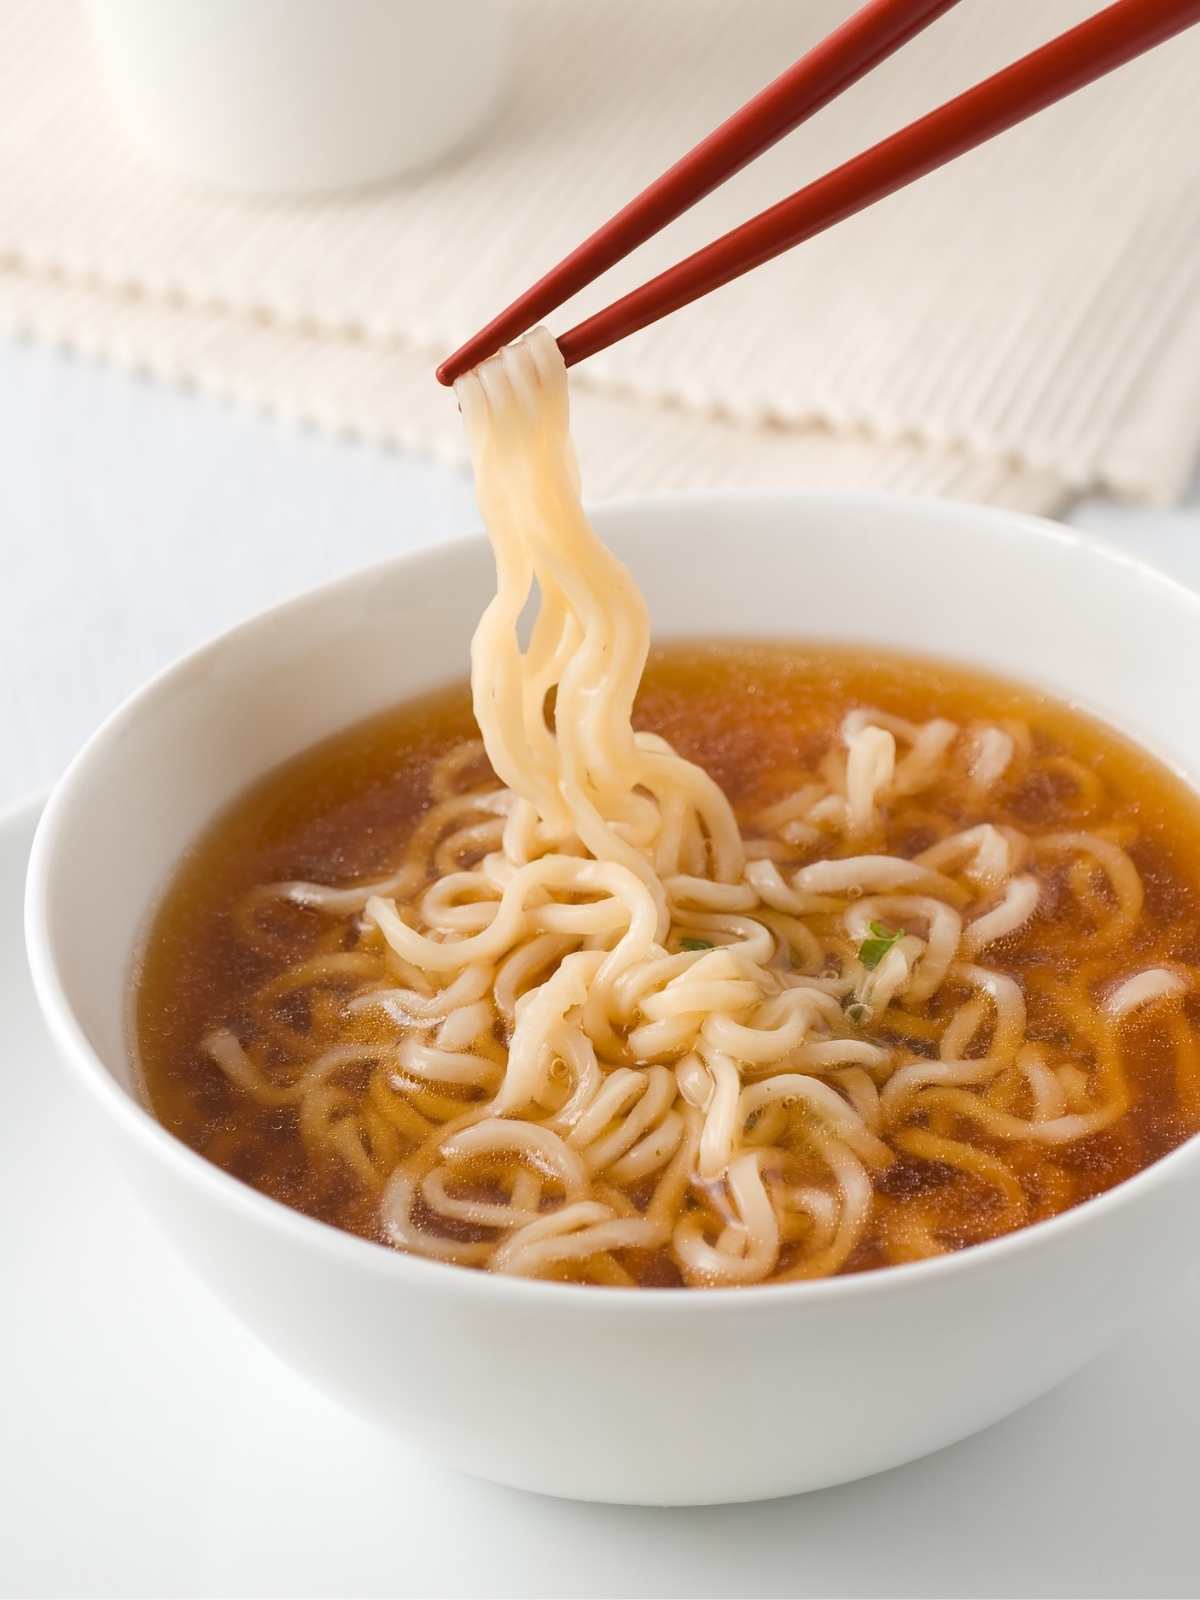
138, 1122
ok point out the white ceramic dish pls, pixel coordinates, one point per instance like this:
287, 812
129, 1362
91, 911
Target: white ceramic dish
654, 1397
301, 96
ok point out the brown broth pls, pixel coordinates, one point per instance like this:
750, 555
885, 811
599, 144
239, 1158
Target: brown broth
757, 717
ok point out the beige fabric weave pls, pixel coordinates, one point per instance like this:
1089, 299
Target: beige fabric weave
1023, 325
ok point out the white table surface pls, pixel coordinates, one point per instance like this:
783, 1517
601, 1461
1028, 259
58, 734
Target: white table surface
148, 1446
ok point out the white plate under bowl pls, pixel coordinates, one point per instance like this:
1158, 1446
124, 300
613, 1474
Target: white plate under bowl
151, 1447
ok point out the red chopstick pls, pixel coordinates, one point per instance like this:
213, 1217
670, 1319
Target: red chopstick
873, 33
1114, 36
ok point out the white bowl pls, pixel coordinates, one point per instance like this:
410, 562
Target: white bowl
655, 1396
301, 96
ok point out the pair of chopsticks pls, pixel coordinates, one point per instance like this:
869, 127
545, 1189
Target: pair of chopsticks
874, 32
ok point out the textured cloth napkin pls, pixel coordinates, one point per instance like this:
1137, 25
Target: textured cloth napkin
1019, 327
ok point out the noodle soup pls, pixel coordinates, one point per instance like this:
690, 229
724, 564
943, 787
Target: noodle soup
284, 1038
816, 963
